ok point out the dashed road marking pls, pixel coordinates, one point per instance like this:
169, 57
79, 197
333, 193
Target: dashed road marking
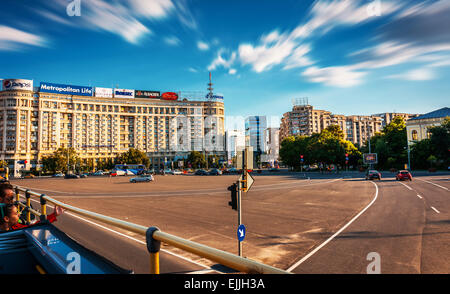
437, 211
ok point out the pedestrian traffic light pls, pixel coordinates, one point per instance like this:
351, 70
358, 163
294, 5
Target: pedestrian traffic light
233, 202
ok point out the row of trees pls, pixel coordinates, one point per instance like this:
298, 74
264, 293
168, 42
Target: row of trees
328, 147
390, 144
65, 159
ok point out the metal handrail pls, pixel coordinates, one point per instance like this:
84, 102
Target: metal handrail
154, 237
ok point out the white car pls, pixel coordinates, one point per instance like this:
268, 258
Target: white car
143, 178
177, 172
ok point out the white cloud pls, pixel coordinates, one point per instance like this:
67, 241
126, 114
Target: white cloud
273, 50
11, 38
172, 41
202, 45
220, 61
191, 69
232, 71
340, 76
421, 74
152, 8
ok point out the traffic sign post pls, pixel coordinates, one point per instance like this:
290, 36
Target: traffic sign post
243, 184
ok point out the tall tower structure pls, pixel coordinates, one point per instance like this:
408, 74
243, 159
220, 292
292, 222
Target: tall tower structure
210, 88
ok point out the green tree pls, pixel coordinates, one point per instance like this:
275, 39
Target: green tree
196, 159
133, 156
62, 160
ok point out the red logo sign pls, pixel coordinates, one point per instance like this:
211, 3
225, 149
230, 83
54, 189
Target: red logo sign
169, 96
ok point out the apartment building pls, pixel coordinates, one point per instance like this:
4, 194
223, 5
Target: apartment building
387, 117
35, 122
304, 120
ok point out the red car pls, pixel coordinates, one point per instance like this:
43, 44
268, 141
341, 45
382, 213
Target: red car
403, 175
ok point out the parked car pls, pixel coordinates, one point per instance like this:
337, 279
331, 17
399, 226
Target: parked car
373, 174
201, 172
113, 174
85, 175
403, 175
98, 173
177, 172
215, 172
71, 176
142, 178
29, 176
58, 175
274, 169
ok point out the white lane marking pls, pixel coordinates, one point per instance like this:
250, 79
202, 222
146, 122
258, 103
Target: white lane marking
131, 238
337, 233
435, 209
434, 184
406, 186
419, 196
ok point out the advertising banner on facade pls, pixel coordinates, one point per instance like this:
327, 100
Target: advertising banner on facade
169, 96
103, 92
147, 94
66, 89
123, 93
18, 84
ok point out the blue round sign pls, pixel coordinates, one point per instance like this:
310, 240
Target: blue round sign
241, 233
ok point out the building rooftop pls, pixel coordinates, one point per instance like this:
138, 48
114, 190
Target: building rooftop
443, 112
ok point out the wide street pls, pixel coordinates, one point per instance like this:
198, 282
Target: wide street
303, 223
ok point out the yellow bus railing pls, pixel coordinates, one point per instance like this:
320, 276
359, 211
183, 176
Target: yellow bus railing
154, 237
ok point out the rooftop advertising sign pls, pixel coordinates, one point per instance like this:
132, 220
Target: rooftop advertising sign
169, 96
146, 94
18, 84
66, 89
123, 93
103, 92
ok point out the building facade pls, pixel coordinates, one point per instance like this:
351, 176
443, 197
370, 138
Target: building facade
235, 141
255, 127
418, 128
34, 123
387, 117
304, 120
272, 146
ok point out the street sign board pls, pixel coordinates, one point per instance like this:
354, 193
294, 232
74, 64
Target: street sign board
246, 185
370, 158
241, 233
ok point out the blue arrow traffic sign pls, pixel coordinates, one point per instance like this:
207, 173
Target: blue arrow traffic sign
241, 233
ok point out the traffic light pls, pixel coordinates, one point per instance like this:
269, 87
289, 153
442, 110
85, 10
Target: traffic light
233, 202
301, 157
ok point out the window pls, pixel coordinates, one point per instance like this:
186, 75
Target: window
414, 135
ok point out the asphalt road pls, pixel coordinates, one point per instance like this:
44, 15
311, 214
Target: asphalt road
325, 224
405, 231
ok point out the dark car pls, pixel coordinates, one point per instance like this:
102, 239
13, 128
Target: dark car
274, 169
373, 174
403, 175
71, 176
215, 172
201, 172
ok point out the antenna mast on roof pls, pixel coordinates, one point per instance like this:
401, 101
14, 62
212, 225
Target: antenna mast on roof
210, 88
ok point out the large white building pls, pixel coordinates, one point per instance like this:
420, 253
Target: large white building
235, 141
101, 123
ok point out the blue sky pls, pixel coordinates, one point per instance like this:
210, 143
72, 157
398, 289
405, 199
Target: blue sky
348, 57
